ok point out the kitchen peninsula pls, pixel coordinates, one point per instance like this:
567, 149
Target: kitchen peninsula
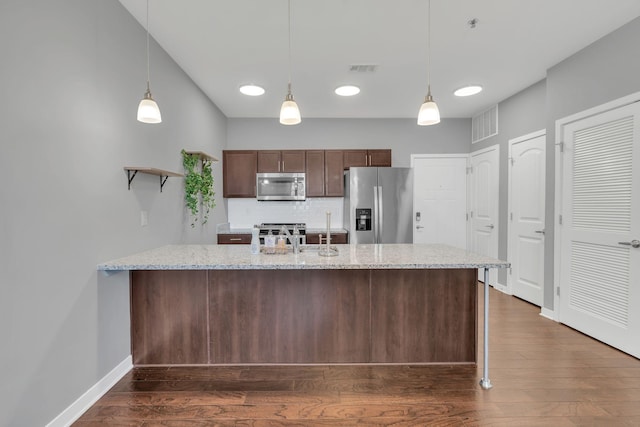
382, 303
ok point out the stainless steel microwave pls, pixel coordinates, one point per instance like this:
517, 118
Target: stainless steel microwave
280, 186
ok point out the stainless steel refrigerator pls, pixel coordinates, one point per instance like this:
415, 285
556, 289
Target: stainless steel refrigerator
378, 205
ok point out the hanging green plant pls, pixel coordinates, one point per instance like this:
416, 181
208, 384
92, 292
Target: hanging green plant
198, 186
206, 189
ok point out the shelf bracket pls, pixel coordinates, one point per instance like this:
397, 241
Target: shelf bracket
162, 181
130, 178
163, 174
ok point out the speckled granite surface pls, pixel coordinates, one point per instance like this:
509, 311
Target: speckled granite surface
238, 257
309, 231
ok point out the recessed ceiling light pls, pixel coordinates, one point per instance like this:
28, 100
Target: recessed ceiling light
251, 90
468, 90
347, 90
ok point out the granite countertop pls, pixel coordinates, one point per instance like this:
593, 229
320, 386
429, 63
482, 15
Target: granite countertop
308, 230
239, 257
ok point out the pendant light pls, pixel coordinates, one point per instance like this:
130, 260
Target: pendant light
289, 112
148, 111
429, 113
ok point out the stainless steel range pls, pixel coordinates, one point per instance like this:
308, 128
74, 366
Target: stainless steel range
275, 228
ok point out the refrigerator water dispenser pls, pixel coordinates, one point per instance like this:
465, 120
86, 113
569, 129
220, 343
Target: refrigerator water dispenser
363, 219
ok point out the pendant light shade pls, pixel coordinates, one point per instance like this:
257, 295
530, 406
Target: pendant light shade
148, 111
289, 112
429, 113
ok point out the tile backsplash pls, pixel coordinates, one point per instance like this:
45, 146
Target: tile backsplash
244, 213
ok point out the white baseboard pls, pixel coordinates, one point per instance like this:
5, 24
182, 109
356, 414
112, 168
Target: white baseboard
91, 396
502, 288
549, 314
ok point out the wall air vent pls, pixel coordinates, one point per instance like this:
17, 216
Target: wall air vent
363, 68
484, 125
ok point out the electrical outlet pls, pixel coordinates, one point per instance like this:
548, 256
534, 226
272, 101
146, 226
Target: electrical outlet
144, 218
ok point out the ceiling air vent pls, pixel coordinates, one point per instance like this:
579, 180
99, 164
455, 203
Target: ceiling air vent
363, 68
484, 125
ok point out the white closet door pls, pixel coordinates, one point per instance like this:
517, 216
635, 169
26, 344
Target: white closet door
526, 217
484, 181
600, 270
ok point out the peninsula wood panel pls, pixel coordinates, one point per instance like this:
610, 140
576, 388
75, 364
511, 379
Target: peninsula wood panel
423, 316
289, 316
303, 316
169, 317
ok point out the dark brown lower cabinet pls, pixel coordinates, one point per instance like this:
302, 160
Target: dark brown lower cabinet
234, 239
303, 316
336, 238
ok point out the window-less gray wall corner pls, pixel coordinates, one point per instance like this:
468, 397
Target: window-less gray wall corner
519, 115
606, 70
72, 74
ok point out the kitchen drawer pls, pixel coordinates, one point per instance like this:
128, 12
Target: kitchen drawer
336, 238
234, 239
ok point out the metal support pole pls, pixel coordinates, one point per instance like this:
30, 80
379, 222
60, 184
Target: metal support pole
485, 382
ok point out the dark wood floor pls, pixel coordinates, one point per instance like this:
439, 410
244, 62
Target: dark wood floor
544, 374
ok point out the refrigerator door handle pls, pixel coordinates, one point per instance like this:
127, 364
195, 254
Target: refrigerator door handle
380, 214
375, 214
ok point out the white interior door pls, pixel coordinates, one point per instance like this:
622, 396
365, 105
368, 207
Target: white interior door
526, 216
484, 179
600, 232
440, 200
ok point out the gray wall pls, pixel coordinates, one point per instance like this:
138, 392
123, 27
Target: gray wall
606, 70
518, 115
72, 74
403, 136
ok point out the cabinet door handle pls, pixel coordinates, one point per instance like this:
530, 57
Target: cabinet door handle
235, 239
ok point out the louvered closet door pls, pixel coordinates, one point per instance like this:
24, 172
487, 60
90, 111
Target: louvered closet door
600, 277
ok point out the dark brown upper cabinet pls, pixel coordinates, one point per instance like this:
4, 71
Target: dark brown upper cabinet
333, 173
364, 158
281, 161
239, 169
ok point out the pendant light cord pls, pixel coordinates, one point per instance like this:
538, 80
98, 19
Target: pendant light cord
148, 46
289, 11
429, 47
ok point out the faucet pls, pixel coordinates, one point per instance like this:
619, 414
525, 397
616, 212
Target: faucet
293, 239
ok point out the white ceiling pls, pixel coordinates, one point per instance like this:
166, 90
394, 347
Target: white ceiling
222, 44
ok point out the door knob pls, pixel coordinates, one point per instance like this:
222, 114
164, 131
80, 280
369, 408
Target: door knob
419, 226
540, 231
633, 243
490, 226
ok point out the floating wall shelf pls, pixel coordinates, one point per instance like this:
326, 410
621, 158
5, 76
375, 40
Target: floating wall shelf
202, 155
163, 174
